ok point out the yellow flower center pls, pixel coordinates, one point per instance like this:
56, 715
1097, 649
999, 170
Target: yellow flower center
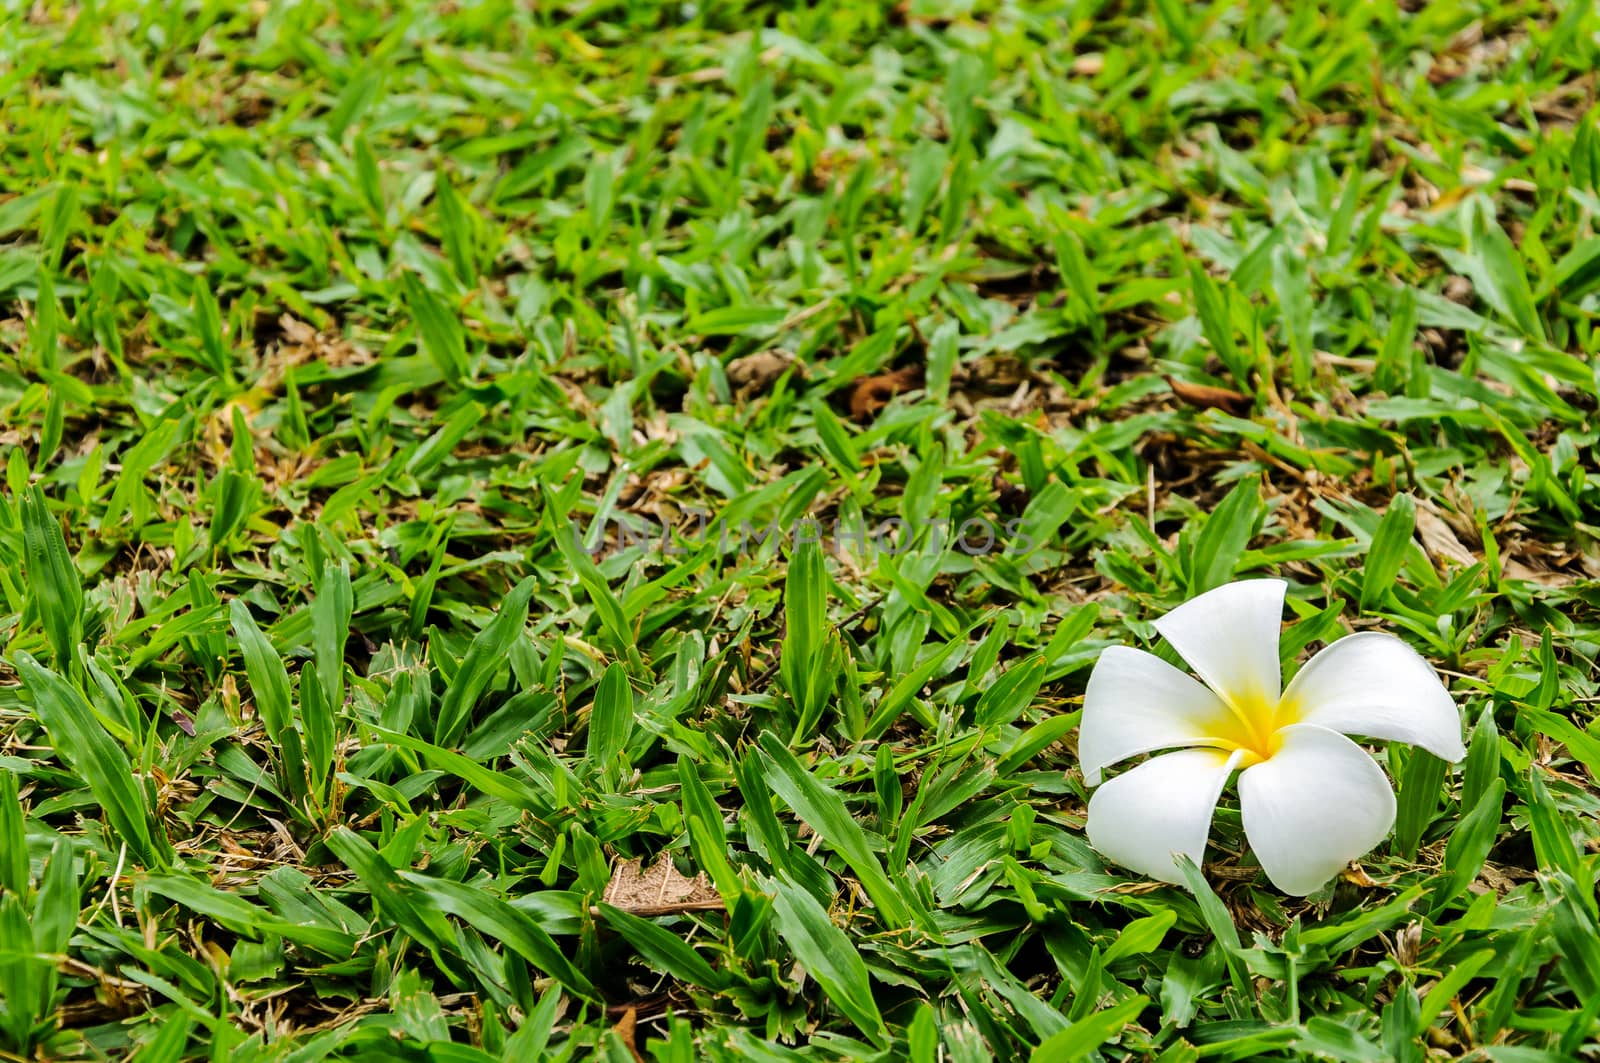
1252, 723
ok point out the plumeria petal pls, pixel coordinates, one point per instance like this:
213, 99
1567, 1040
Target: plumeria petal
1375, 685
1313, 806
1138, 703
1230, 637
1163, 806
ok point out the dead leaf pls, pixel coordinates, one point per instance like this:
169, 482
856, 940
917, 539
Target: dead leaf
659, 890
1512, 568
1493, 878
1408, 944
756, 373
305, 344
1438, 538
1357, 875
873, 393
1229, 872
625, 1030
995, 374
1207, 397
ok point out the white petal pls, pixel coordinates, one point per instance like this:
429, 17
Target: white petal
1375, 685
1313, 806
1230, 637
1143, 816
1138, 703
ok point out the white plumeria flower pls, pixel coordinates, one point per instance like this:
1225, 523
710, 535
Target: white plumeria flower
1311, 799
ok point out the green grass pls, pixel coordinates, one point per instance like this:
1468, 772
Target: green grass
354, 358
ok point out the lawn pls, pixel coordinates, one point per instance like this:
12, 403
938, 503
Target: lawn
582, 530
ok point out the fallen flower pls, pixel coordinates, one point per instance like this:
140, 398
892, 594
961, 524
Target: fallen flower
1311, 799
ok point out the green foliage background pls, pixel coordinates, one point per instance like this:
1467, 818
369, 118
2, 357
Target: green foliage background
354, 356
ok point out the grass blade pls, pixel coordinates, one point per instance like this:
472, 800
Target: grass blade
829, 957
411, 910
53, 581
1223, 539
804, 666
484, 658
821, 807
1084, 1036
330, 627
513, 928
80, 738
1470, 844
664, 949
439, 329
1418, 801
1390, 544
610, 720
269, 679
14, 873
